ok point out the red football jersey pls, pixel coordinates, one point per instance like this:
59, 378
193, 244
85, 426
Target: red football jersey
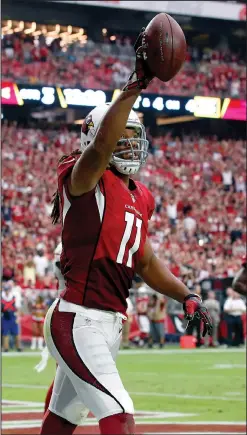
103, 236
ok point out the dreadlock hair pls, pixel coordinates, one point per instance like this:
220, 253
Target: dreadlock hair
55, 214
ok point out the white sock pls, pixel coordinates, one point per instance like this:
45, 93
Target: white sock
34, 342
40, 342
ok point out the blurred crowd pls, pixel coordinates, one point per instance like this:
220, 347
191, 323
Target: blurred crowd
106, 65
199, 184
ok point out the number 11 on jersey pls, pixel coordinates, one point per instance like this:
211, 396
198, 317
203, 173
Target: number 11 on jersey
129, 219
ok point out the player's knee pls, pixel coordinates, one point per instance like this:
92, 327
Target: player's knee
126, 402
75, 413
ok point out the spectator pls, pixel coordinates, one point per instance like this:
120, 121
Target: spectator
234, 307
29, 271
8, 45
172, 211
156, 314
240, 184
8, 269
7, 212
236, 231
10, 316
235, 88
227, 177
17, 292
189, 225
213, 307
41, 263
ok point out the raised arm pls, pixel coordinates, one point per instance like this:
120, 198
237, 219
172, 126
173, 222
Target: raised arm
96, 157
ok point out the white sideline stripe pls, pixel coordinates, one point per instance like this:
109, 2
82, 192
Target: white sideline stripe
140, 393
21, 424
180, 375
15, 408
177, 351
22, 354
29, 387
21, 403
143, 352
187, 396
228, 366
22, 411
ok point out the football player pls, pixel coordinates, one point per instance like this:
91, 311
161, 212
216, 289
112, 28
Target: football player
104, 215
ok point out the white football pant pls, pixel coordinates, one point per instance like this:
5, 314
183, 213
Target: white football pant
85, 342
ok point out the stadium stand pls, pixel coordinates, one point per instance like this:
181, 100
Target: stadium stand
88, 64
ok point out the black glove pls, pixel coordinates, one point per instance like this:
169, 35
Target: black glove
141, 76
193, 307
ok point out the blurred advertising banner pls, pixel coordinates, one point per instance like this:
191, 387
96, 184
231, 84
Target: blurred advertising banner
10, 94
207, 107
54, 96
233, 109
204, 9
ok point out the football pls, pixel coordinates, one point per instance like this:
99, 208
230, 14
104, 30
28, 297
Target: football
165, 50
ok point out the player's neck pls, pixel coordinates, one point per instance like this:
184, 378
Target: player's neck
125, 178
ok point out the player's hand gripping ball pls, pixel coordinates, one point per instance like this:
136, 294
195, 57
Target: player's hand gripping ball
141, 76
160, 52
164, 47
193, 307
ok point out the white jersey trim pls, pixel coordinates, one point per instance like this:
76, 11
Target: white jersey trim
100, 199
66, 204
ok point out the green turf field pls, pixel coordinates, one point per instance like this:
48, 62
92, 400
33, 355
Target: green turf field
206, 385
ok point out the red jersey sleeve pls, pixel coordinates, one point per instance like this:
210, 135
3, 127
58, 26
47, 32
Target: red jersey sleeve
151, 205
64, 168
63, 171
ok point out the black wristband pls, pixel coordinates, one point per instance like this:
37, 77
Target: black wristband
192, 295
